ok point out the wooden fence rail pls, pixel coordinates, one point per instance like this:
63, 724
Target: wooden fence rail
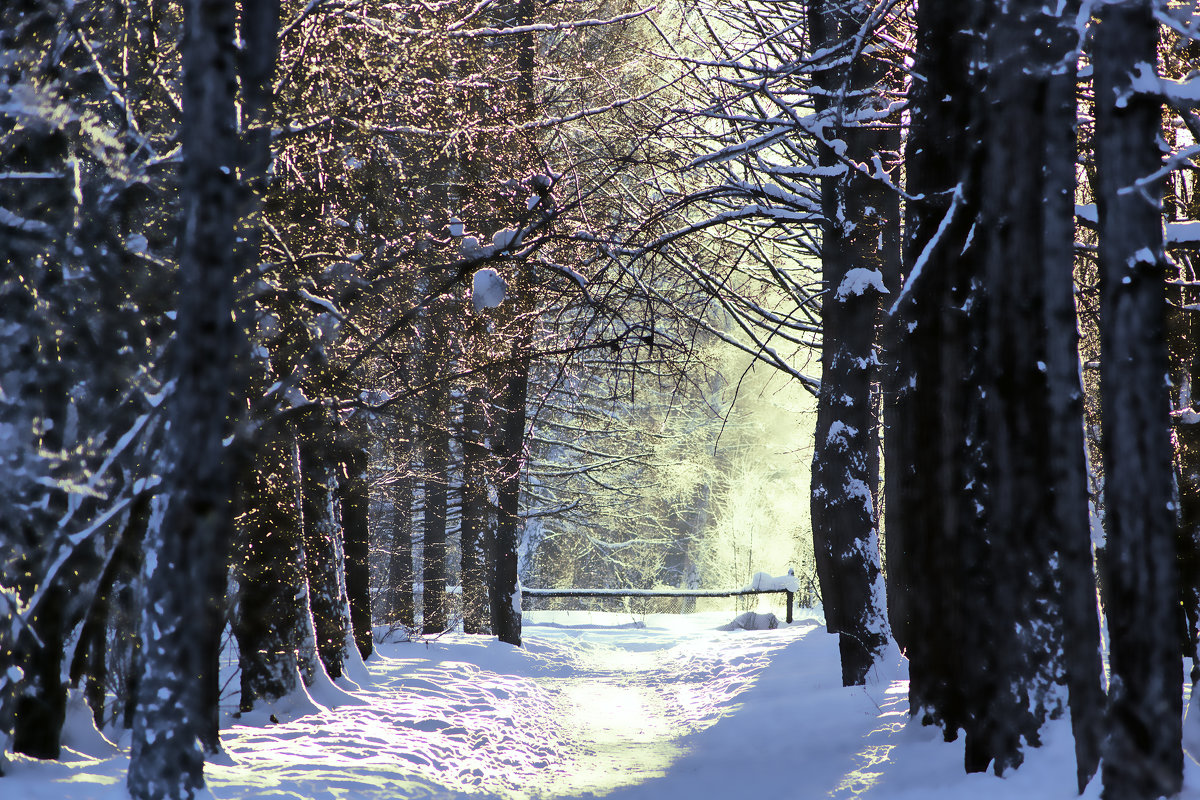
528, 592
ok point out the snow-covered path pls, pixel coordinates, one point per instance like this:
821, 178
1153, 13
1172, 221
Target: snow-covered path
595, 705
586, 707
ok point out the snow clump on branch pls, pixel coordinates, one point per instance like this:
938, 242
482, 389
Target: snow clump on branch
858, 280
487, 289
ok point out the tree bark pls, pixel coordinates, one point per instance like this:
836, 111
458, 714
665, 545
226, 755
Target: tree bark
505, 589
1143, 757
1067, 462
128, 640
269, 622
400, 562
355, 496
436, 440
932, 515
856, 241
478, 532
41, 706
1183, 331
90, 662
183, 614
1037, 539
1183, 334
323, 550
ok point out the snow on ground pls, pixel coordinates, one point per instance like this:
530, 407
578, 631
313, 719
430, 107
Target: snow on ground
653, 707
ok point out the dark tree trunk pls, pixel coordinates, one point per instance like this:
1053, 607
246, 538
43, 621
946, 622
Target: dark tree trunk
354, 493
1066, 464
932, 494
258, 57
400, 563
1183, 332
183, 617
68, 598
1183, 336
133, 679
1143, 757
40, 702
90, 662
900, 444
1036, 525
1013, 396
323, 550
270, 623
436, 439
505, 589
845, 463
55, 596
127, 647
41, 706
478, 533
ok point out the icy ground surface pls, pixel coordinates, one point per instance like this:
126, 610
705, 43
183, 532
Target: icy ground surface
656, 707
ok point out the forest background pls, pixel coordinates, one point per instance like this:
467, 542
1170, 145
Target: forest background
320, 315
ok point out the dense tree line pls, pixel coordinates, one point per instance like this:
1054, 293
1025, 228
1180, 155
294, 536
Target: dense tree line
974, 357
228, 326
989, 554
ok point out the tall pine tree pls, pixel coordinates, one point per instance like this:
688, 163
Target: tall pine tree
1143, 758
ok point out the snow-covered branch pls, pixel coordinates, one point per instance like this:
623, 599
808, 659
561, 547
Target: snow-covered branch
956, 200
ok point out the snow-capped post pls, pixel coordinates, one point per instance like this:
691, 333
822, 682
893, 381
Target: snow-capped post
788, 584
791, 594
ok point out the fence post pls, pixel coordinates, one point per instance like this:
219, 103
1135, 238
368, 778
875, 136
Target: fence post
791, 596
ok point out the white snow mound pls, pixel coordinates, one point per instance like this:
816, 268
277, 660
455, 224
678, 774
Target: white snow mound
752, 621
